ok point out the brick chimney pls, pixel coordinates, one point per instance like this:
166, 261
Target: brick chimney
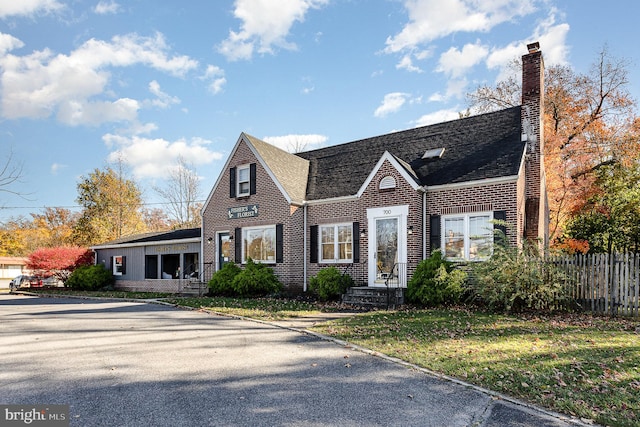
536, 209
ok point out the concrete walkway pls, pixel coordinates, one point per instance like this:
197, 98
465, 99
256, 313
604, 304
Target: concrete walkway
121, 363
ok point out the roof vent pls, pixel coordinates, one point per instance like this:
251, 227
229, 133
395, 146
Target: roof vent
433, 153
387, 183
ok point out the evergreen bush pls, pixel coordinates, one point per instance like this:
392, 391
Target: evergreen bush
329, 284
221, 282
255, 279
90, 278
436, 281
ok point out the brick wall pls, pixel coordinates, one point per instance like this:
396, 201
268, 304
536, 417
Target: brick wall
273, 209
532, 115
481, 198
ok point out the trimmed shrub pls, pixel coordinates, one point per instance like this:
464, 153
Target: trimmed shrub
90, 278
329, 284
221, 282
436, 281
255, 279
518, 279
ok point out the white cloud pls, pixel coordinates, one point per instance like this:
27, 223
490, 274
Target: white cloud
42, 83
264, 26
106, 7
9, 43
28, 7
406, 63
553, 39
216, 78
455, 63
163, 100
391, 103
151, 158
437, 117
56, 167
432, 19
296, 143
76, 113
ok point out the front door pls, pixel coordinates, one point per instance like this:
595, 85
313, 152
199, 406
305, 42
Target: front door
387, 246
224, 249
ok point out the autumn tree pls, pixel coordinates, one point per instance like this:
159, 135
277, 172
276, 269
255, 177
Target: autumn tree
59, 262
590, 120
55, 226
155, 219
609, 218
182, 194
111, 207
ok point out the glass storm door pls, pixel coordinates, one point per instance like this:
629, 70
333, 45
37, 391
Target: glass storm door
386, 248
224, 249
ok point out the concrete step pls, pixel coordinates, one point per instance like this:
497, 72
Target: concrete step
370, 297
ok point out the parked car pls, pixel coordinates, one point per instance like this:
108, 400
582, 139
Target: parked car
23, 281
52, 282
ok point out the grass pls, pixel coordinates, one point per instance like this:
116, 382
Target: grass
584, 366
576, 364
256, 308
99, 294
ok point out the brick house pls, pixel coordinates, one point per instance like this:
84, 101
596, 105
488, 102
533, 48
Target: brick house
378, 206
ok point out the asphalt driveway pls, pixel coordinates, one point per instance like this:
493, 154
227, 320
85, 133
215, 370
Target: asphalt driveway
135, 364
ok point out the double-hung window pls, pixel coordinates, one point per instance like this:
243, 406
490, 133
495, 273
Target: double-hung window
336, 243
244, 181
259, 244
467, 237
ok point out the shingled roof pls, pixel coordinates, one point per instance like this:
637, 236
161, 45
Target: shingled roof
288, 169
476, 148
159, 236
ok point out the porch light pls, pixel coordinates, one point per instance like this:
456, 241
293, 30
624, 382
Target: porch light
410, 229
209, 240
363, 232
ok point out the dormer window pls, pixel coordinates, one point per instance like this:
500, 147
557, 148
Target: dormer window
434, 153
387, 183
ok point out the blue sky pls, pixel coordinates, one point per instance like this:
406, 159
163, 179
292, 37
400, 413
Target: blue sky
86, 82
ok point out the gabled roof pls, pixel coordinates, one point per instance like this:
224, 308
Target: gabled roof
289, 170
476, 148
154, 237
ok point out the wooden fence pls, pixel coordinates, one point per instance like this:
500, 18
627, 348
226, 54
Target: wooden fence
603, 283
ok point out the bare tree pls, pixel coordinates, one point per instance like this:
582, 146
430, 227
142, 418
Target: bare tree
181, 194
10, 173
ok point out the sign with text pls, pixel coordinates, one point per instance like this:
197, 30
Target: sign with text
249, 211
34, 415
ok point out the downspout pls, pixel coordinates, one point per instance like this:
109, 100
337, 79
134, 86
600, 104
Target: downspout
304, 248
424, 221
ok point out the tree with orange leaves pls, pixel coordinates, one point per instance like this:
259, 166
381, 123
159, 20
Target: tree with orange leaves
590, 121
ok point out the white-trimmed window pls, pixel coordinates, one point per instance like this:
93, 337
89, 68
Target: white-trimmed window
336, 243
468, 236
119, 265
243, 181
259, 244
